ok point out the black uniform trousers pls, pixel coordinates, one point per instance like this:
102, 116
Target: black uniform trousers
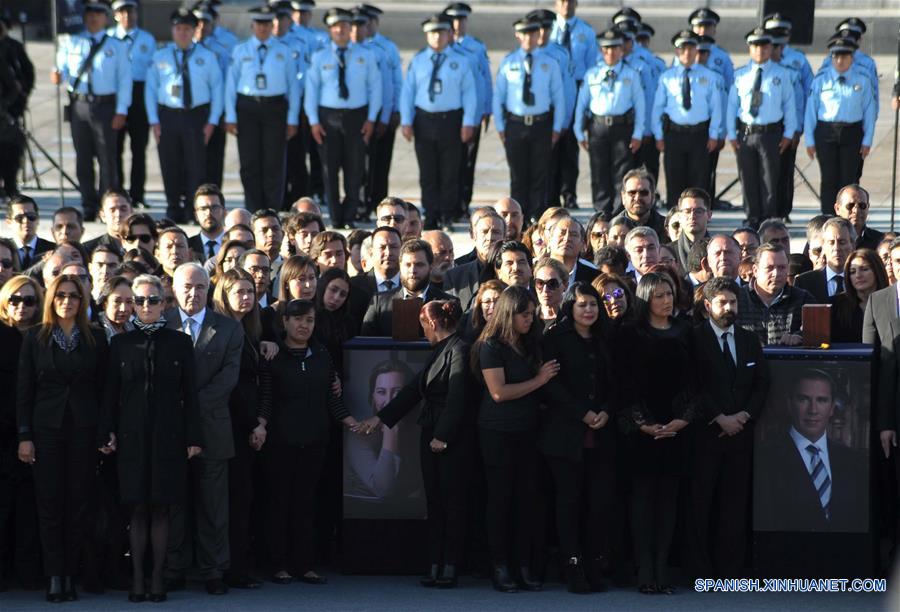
262, 123
241, 491
19, 539
713, 165
467, 172
840, 164
182, 155
138, 130
564, 168
380, 152
527, 150
63, 473
296, 176
721, 481
93, 136
342, 150
215, 156
784, 195
686, 163
316, 181
759, 165
292, 472
611, 159
439, 153
648, 157
446, 478
510, 468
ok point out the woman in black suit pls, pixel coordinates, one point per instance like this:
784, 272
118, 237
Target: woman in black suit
508, 357
62, 369
659, 409
297, 405
152, 421
576, 437
447, 437
864, 274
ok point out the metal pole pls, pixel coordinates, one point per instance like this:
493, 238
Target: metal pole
54, 29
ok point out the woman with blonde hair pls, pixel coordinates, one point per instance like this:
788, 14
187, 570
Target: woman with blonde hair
21, 302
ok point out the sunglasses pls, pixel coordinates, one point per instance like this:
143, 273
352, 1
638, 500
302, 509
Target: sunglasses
144, 238
152, 300
389, 218
638, 192
615, 294
6, 263
23, 216
26, 300
859, 205
62, 296
553, 284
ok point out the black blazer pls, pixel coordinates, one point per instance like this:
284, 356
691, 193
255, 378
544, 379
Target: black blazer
197, 245
463, 282
785, 498
379, 318
816, 283
41, 247
870, 238
45, 390
464, 259
11, 341
445, 384
584, 382
585, 272
244, 399
105, 239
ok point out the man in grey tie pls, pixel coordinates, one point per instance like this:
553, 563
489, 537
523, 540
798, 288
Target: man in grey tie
218, 341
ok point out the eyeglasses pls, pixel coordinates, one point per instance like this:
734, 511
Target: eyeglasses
62, 296
389, 218
859, 205
25, 300
551, 284
21, 217
259, 270
816, 251
615, 294
152, 300
597, 234
144, 238
207, 209
637, 192
6, 263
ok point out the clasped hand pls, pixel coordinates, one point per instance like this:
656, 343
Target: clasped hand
669, 430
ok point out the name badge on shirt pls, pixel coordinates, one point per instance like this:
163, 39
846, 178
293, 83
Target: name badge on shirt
175, 90
438, 86
260, 81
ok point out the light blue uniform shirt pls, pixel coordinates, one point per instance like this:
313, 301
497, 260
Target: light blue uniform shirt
567, 71
458, 89
362, 77
600, 96
720, 61
387, 82
648, 85
223, 55
483, 69
706, 100
777, 103
395, 66
866, 65
276, 63
843, 102
799, 96
483, 91
165, 72
797, 60
141, 46
110, 71
546, 85
226, 38
582, 43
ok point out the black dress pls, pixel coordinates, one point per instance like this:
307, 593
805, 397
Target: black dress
843, 328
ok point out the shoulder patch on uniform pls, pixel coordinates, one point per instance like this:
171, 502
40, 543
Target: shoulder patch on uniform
144, 48
360, 60
703, 80
545, 67
776, 81
718, 60
279, 57
199, 61
857, 87
453, 65
109, 53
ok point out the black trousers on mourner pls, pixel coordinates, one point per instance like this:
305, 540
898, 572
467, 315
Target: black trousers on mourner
439, 153
686, 163
262, 123
611, 159
182, 155
241, 491
840, 164
648, 157
759, 165
19, 539
527, 150
137, 129
446, 478
654, 509
342, 150
93, 137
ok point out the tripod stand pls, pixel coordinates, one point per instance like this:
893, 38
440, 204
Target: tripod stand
36, 173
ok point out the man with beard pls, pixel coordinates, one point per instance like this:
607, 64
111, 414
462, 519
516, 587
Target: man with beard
442, 248
732, 397
209, 210
638, 188
416, 260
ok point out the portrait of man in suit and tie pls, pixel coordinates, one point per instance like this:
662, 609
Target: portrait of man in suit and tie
811, 472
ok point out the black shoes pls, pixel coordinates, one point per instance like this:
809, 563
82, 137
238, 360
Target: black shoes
55, 592
137, 597
242, 582
157, 597
575, 578
431, 579
282, 578
527, 582
69, 588
502, 581
173, 584
314, 579
448, 578
216, 586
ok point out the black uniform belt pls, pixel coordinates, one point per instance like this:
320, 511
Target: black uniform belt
263, 99
610, 120
339, 111
687, 129
747, 128
451, 114
528, 119
92, 98
172, 109
839, 124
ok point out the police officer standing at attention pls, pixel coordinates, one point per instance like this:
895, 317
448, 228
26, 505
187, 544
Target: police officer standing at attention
840, 120
761, 121
578, 38
262, 108
343, 98
223, 35
609, 120
215, 148
97, 74
141, 46
686, 118
439, 105
529, 110
183, 101
784, 200
790, 56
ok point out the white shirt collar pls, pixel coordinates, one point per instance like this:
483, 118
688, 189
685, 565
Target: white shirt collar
197, 317
380, 279
801, 442
830, 274
218, 239
718, 331
424, 295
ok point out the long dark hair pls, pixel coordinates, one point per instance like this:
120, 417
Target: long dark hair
646, 288
332, 327
251, 321
501, 328
49, 319
581, 288
846, 303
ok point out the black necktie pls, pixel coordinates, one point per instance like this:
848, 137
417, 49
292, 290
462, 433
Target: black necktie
211, 248
610, 76
839, 283
756, 96
437, 59
343, 92
527, 94
89, 72
567, 37
26, 257
842, 80
686, 89
186, 80
729, 358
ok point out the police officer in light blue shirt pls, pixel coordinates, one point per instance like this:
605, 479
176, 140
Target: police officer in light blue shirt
183, 101
785, 192
141, 46
95, 70
223, 35
854, 28
686, 117
644, 34
642, 61
840, 120
215, 148
705, 21
529, 114
761, 122
262, 108
343, 99
302, 16
439, 106
790, 56
609, 120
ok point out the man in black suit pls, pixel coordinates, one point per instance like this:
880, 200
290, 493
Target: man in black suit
463, 280
695, 213
416, 259
115, 208
566, 241
267, 236
838, 237
735, 381
209, 210
384, 275
218, 342
806, 481
853, 205
22, 217
487, 231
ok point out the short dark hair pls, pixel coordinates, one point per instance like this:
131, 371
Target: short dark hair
209, 189
815, 374
251, 252
174, 230
612, 256
301, 220
412, 208
356, 237
264, 213
508, 246
321, 239
417, 245
718, 285
768, 247
115, 192
142, 219
70, 210
386, 228
238, 226
745, 230
299, 308
695, 193
131, 267
20, 200
639, 173
697, 254
105, 248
